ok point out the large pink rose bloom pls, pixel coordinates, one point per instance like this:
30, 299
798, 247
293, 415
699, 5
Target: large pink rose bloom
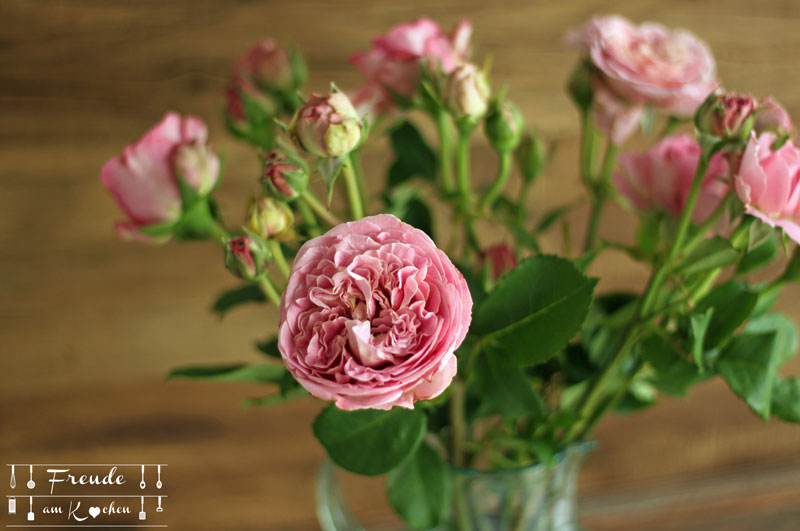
659, 179
144, 179
372, 315
650, 64
392, 66
768, 183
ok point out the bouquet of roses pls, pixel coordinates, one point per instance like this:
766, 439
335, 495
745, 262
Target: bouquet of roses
491, 354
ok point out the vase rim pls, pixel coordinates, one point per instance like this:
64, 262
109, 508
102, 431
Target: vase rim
584, 447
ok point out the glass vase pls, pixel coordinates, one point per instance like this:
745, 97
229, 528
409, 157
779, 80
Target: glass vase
534, 498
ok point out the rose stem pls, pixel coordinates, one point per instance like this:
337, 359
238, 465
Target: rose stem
503, 173
353, 196
280, 259
446, 148
319, 208
599, 191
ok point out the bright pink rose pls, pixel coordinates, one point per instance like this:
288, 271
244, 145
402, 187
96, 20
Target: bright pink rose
144, 179
768, 183
649, 64
660, 178
392, 66
372, 315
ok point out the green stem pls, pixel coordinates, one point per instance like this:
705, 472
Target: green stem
522, 201
457, 426
588, 143
308, 217
592, 396
269, 290
465, 197
503, 173
599, 196
353, 195
355, 159
279, 258
445, 149
319, 208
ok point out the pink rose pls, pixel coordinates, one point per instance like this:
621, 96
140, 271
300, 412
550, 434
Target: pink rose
268, 64
660, 178
500, 257
727, 115
144, 179
773, 117
615, 117
649, 64
372, 315
392, 66
767, 183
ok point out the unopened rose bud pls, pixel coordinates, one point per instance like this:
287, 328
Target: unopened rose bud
285, 177
245, 257
468, 92
327, 125
270, 219
772, 117
503, 126
728, 115
500, 258
531, 157
198, 166
249, 112
273, 67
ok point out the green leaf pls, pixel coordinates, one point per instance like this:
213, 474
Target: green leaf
273, 400
330, 169
231, 373
269, 347
535, 309
412, 151
732, 302
786, 399
709, 254
369, 441
419, 488
550, 217
746, 364
236, 296
648, 235
785, 334
672, 373
504, 388
417, 214
699, 324
760, 256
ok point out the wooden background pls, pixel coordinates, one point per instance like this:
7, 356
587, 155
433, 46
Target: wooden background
89, 325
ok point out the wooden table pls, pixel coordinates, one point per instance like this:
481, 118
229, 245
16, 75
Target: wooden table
89, 325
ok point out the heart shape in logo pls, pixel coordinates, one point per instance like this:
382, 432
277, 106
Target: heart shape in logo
94, 511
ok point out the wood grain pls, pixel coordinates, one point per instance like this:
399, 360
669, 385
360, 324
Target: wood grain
89, 325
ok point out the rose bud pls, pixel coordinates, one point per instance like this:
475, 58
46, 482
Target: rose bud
773, 117
284, 177
270, 219
372, 315
245, 257
728, 115
768, 183
531, 157
659, 179
503, 126
273, 67
327, 126
468, 92
144, 179
500, 258
648, 64
248, 109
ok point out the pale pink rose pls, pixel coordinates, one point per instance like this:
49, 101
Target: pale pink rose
659, 179
649, 64
772, 116
144, 179
372, 315
392, 66
768, 183
615, 117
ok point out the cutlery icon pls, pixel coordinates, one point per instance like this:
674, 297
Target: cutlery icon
142, 514
30, 510
159, 509
158, 483
142, 484
13, 482
31, 482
